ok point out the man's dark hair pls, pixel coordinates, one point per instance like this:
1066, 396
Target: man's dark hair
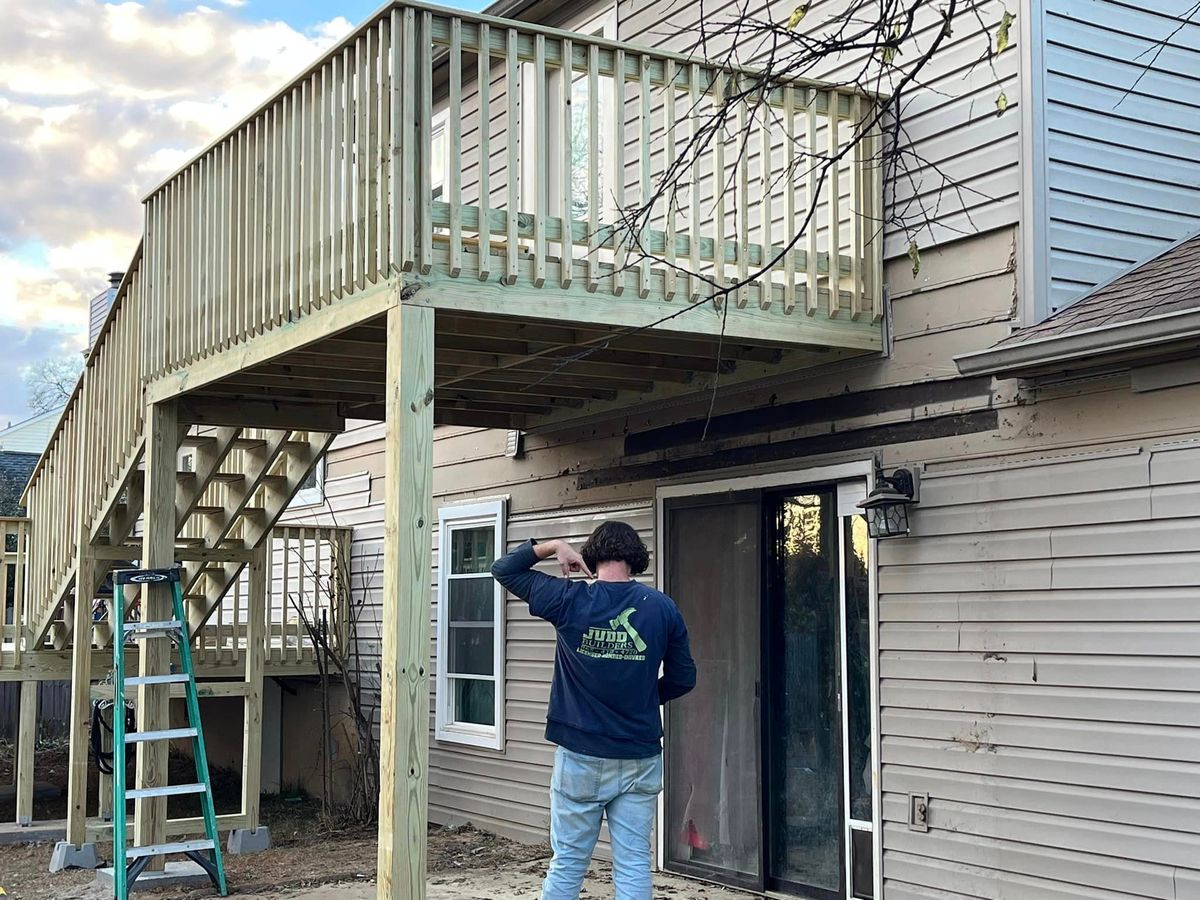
616, 542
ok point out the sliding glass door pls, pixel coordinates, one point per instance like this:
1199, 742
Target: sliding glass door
769, 763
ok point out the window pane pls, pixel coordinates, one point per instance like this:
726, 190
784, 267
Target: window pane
805, 770
858, 666
472, 649
862, 869
712, 801
472, 549
474, 702
472, 599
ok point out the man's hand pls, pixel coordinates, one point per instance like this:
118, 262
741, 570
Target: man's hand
569, 560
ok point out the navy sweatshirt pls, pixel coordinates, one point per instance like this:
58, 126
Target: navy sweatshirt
612, 639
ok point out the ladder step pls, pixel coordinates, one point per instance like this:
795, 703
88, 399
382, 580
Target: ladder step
170, 790
146, 630
168, 734
168, 849
172, 625
137, 680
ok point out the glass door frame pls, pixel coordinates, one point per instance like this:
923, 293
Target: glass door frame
859, 471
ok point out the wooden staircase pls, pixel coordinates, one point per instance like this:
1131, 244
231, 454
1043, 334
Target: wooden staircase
237, 484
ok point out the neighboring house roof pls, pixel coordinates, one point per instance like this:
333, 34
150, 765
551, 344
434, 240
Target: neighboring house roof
31, 435
1146, 311
15, 469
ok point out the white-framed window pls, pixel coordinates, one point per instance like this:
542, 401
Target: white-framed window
470, 631
601, 26
312, 489
439, 153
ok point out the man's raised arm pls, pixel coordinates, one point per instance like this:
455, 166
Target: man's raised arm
544, 593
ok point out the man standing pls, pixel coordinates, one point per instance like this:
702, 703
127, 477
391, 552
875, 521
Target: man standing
614, 635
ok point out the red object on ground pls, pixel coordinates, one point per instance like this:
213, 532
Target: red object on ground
692, 835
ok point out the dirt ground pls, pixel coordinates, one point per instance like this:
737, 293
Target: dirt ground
310, 860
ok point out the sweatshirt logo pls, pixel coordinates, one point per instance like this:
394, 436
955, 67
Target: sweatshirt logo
619, 640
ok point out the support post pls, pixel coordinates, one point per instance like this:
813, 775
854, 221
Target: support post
254, 837
80, 610
158, 551
404, 732
26, 739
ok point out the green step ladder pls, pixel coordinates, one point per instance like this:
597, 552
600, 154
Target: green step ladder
130, 862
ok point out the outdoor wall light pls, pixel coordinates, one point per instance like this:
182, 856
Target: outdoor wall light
886, 507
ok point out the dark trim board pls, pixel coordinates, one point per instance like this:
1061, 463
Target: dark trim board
807, 412
817, 445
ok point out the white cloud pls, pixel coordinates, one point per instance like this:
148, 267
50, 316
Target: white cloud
98, 102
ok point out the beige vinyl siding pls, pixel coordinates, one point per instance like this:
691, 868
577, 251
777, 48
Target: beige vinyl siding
951, 125
505, 791
1040, 678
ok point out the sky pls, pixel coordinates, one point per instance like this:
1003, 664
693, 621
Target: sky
98, 102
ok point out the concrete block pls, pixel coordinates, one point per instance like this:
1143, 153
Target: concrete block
249, 840
68, 856
177, 873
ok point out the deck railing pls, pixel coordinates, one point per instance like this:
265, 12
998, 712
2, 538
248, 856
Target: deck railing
372, 161
98, 437
308, 596
14, 537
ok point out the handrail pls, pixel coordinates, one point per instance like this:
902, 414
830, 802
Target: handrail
476, 17
328, 187
99, 430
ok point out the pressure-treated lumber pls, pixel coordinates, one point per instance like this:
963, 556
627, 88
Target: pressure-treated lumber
255, 658
26, 740
158, 551
408, 508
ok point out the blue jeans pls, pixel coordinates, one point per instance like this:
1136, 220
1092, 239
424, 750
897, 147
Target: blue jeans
582, 790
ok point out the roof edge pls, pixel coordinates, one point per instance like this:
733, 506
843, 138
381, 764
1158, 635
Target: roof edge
1062, 349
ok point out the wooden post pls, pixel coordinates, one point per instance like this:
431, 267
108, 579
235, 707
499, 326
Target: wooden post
81, 704
158, 551
256, 613
81, 648
26, 739
404, 732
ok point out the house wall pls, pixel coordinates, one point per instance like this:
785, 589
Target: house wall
953, 134
568, 482
1038, 649
1120, 127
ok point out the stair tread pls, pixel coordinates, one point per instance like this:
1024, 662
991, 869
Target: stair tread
167, 849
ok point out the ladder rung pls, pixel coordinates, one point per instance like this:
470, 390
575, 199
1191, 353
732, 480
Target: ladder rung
168, 849
170, 790
137, 680
168, 734
173, 625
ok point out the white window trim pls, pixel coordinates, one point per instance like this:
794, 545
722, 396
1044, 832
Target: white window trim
603, 26
469, 515
440, 128
315, 495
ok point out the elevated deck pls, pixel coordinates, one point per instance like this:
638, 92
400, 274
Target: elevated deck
545, 194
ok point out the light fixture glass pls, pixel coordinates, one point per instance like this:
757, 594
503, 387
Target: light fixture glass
886, 507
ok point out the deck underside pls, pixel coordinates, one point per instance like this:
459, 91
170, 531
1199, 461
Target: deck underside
502, 371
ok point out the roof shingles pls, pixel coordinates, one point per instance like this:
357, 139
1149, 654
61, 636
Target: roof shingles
1168, 283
